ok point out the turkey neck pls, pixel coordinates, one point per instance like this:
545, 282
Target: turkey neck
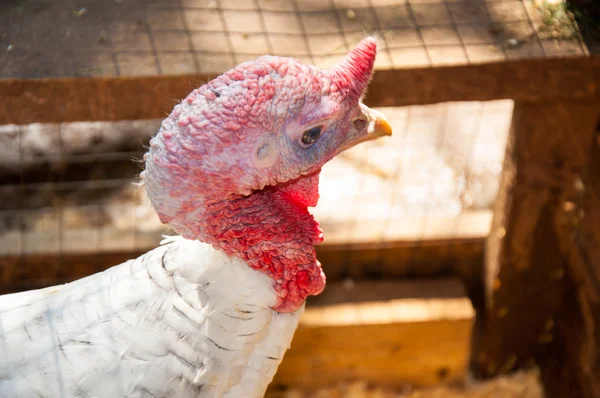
273, 232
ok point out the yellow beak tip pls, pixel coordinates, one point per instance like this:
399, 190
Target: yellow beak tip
383, 126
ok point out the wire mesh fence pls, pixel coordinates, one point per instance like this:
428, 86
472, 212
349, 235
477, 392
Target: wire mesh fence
69, 189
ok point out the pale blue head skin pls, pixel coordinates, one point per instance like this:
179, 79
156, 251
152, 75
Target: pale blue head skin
246, 130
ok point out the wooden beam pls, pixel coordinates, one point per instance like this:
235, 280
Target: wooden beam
386, 333
38, 271
93, 99
460, 257
393, 259
136, 98
573, 369
533, 80
548, 152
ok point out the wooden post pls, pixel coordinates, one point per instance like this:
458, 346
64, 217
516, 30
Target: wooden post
527, 267
574, 369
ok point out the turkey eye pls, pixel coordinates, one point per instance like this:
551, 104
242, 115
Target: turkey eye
311, 135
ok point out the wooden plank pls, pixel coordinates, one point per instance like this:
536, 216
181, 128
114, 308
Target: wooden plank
534, 80
573, 369
37, 271
548, 152
386, 333
393, 259
93, 99
134, 98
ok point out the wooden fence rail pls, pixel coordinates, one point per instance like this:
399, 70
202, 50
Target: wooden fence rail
136, 98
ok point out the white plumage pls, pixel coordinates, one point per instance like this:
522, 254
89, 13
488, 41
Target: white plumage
183, 320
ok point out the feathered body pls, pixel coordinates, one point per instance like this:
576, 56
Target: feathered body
183, 320
236, 165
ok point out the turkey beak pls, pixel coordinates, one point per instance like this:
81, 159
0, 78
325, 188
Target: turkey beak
377, 126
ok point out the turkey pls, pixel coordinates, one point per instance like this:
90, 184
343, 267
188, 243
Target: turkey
211, 312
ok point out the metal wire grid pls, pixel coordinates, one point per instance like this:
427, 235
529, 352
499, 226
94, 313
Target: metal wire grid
68, 188
136, 37
442, 175
64, 189
55, 184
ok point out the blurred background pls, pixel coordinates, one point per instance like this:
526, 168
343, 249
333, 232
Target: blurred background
480, 256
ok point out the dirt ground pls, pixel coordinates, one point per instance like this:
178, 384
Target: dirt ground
520, 385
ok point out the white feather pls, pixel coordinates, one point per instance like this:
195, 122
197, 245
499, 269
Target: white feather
183, 320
